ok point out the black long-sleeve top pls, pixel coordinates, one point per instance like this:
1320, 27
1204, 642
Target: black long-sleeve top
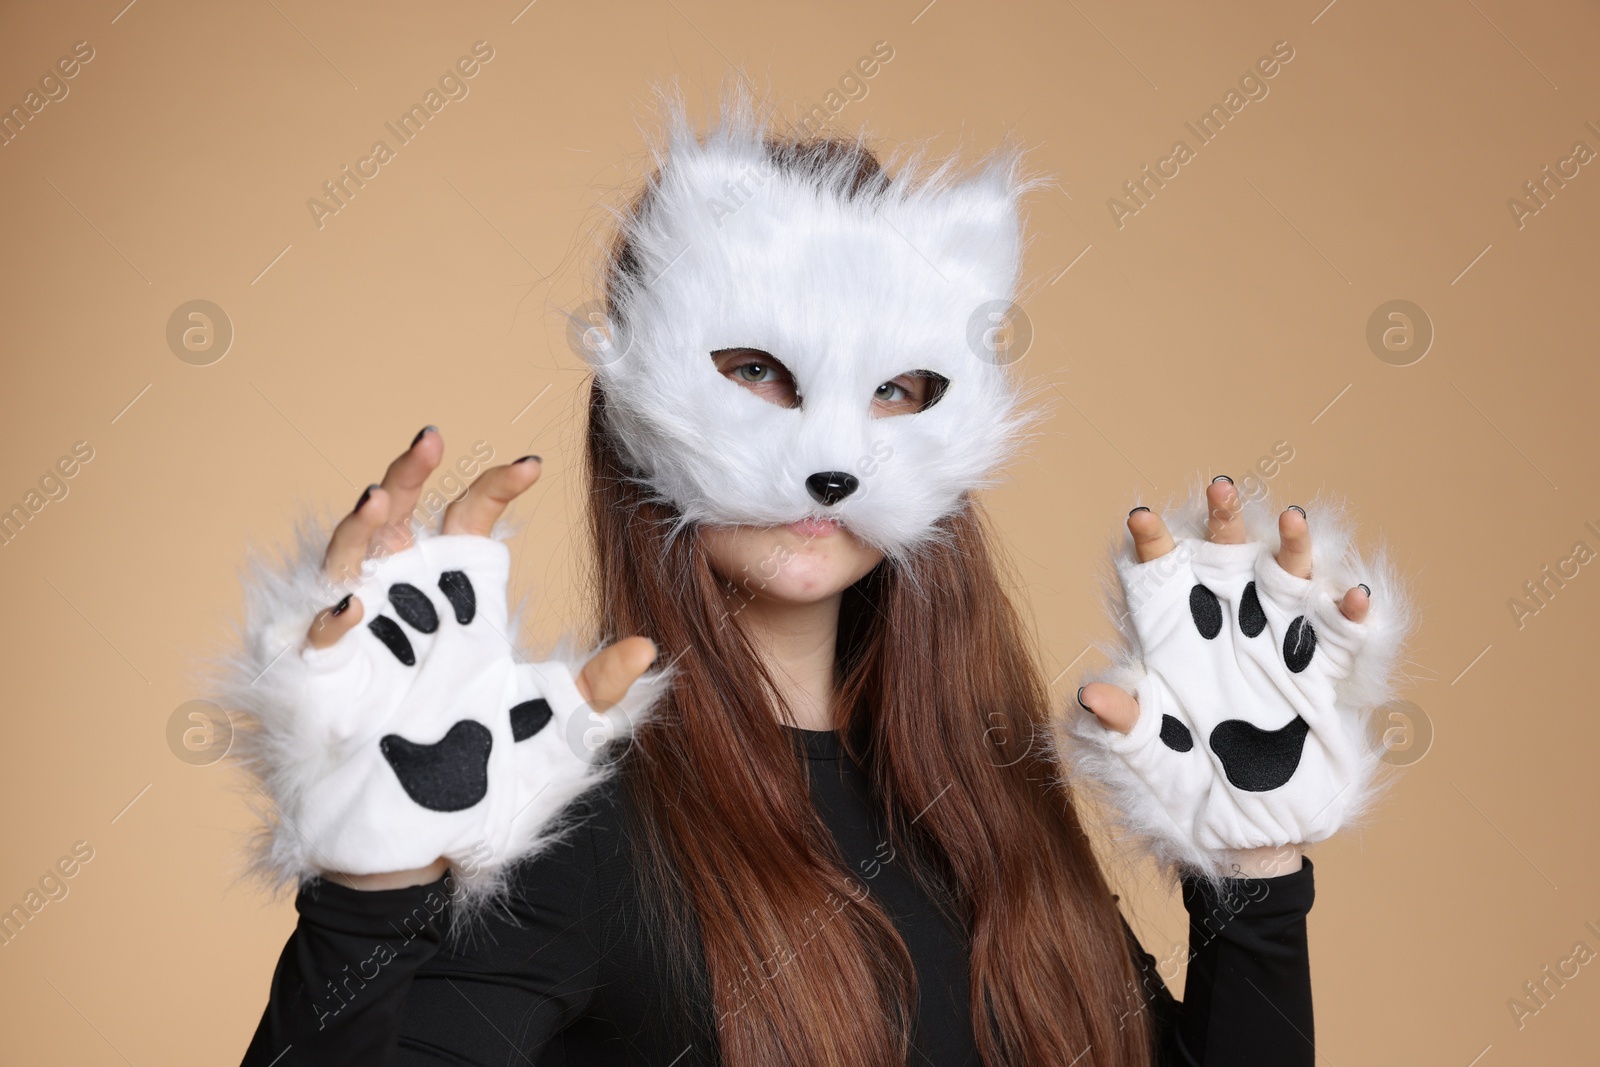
572, 973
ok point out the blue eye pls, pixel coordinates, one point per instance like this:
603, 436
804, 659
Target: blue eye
891, 392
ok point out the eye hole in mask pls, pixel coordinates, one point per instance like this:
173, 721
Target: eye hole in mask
760, 372
764, 374
913, 391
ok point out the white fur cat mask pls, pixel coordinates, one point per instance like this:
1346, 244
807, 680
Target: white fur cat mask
848, 290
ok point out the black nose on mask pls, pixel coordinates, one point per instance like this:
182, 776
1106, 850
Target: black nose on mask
829, 487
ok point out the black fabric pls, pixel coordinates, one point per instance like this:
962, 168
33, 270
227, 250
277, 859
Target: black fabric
574, 971
413, 607
339, 991
529, 717
1298, 645
452, 774
457, 588
1259, 760
1252, 620
1175, 735
1247, 993
1206, 612
394, 638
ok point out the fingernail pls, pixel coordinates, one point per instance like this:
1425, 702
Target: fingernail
1081, 704
1365, 589
525, 459
1136, 510
338, 609
423, 433
1301, 510
366, 494
1222, 478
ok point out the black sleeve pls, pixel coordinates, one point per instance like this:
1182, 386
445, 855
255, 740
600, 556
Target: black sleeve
341, 982
517, 972
401, 977
1247, 997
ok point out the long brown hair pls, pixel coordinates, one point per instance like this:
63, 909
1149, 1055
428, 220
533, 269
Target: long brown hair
942, 701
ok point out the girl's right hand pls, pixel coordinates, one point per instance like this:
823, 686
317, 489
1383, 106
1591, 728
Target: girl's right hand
405, 735
369, 530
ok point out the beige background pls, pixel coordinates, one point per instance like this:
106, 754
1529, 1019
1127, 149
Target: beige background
1225, 317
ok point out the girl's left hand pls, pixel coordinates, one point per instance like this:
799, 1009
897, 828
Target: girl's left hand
1234, 747
1114, 706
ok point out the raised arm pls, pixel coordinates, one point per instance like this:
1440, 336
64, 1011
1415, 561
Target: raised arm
1234, 730
1247, 989
392, 752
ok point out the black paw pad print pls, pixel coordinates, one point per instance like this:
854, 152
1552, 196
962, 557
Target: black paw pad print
458, 590
1206, 611
1254, 759
1252, 620
416, 610
1175, 735
452, 774
1257, 760
414, 607
1298, 644
394, 638
529, 717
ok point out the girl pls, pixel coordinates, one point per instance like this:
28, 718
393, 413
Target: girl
839, 833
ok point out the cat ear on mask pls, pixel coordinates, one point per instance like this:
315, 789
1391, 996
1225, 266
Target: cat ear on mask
972, 230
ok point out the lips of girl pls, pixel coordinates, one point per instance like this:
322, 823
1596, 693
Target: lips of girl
813, 527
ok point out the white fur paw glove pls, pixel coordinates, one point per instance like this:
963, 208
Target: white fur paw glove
418, 734
1254, 692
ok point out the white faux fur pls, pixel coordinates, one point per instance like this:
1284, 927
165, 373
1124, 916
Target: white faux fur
308, 722
848, 293
1181, 804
